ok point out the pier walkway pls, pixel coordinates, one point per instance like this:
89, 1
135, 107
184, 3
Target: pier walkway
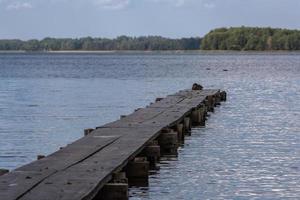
101, 164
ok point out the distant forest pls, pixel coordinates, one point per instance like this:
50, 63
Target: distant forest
239, 38
101, 44
247, 39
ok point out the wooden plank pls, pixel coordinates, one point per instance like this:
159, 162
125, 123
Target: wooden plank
84, 180
167, 102
137, 117
20, 181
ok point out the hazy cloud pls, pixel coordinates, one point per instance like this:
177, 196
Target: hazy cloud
209, 5
112, 4
105, 4
18, 5
176, 3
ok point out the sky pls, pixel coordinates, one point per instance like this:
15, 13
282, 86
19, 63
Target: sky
37, 19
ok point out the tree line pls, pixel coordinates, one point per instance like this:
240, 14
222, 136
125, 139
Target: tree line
235, 38
94, 44
251, 38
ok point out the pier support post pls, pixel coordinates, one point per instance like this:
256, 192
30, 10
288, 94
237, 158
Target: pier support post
168, 141
39, 157
218, 99
88, 131
209, 103
198, 116
202, 114
195, 117
223, 96
116, 189
3, 171
119, 177
113, 191
187, 126
137, 172
180, 134
152, 152
158, 99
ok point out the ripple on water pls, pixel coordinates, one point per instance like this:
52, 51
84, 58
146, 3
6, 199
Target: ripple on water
249, 149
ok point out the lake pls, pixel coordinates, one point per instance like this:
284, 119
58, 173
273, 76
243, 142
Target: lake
250, 148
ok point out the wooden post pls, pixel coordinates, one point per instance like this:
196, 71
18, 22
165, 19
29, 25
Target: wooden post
168, 143
187, 126
119, 177
209, 103
218, 99
88, 131
113, 191
202, 114
179, 130
116, 189
137, 172
152, 152
3, 171
39, 157
206, 104
158, 99
214, 104
194, 117
223, 96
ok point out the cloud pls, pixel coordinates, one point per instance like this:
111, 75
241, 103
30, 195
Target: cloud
112, 4
18, 5
103, 4
176, 3
209, 5
179, 3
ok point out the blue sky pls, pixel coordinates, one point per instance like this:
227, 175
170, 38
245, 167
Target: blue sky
26, 19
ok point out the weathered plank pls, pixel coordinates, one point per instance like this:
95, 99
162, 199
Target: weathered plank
83, 180
15, 184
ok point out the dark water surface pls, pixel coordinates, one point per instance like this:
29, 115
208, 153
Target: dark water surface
250, 148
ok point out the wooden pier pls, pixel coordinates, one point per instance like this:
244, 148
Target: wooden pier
111, 158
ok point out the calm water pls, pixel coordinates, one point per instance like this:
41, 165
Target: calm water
250, 148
